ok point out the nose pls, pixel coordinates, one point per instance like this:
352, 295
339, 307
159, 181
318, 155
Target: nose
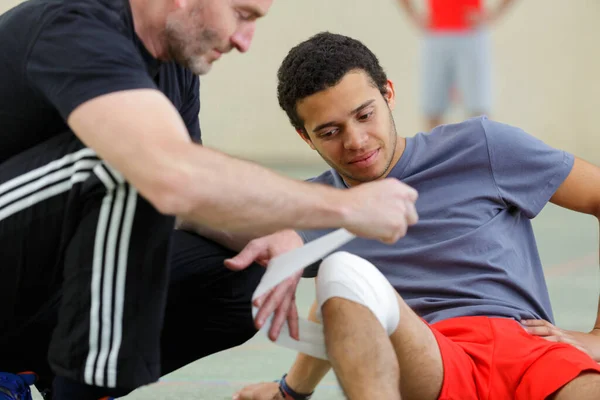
242, 38
355, 138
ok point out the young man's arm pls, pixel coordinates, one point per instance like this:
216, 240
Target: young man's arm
584, 341
581, 192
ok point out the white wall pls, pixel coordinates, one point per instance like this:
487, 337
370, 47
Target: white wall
546, 65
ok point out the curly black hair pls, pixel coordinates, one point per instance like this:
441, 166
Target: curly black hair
319, 63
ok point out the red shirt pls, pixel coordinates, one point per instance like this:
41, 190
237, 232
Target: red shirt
452, 15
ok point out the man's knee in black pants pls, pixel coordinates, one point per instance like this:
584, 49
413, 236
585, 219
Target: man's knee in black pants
209, 308
73, 227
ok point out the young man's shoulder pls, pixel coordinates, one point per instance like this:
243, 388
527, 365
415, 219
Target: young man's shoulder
452, 138
468, 128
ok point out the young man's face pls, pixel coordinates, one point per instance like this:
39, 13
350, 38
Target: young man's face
198, 32
351, 126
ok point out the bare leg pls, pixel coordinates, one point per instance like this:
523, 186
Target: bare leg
360, 351
585, 387
419, 358
368, 361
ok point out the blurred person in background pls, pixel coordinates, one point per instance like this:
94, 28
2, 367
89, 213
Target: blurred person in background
456, 55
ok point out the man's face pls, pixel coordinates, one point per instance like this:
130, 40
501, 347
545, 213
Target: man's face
198, 32
351, 126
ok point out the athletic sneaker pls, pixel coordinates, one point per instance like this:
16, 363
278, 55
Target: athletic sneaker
16, 387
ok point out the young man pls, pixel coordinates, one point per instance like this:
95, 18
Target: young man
456, 54
99, 119
465, 276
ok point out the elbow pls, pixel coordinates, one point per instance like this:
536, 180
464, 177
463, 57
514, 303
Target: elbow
170, 194
169, 204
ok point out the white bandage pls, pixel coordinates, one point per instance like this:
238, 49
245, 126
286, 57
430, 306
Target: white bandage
312, 340
353, 278
340, 275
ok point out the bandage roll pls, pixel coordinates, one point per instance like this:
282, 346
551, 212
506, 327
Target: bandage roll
312, 340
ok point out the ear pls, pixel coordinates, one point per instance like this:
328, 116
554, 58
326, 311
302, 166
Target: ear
305, 137
390, 94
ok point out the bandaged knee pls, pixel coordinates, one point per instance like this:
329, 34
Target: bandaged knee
350, 277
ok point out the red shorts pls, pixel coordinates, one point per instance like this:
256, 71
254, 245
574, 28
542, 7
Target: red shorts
496, 359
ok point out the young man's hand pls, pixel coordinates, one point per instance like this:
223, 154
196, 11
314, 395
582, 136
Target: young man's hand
589, 343
259, 391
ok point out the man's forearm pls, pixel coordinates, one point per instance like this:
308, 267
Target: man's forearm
242, 197
155, 154
307, 371
232, 241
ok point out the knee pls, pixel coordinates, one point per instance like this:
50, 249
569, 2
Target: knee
344, 275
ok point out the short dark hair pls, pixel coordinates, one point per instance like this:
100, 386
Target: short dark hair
319, 63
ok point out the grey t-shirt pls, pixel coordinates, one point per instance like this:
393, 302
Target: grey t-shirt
473, 251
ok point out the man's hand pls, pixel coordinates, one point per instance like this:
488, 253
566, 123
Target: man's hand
381, 210
281, 300
263, 249
259, 391
589, 343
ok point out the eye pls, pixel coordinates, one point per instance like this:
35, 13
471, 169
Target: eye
328, 134
245, 16
365, 117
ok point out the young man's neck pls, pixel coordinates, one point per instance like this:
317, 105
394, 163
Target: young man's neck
398, 151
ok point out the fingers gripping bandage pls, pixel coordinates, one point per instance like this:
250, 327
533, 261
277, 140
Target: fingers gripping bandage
353, 278
345, 276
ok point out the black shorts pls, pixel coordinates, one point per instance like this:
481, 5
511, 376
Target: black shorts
85, 273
